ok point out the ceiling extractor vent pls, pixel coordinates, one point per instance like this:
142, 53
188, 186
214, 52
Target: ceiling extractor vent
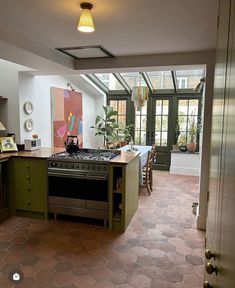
86, 52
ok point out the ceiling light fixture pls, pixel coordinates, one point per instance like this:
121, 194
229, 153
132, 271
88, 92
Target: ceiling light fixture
139, 95
86, 23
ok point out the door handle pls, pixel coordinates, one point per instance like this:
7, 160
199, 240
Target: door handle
206, 284
210, 268
209, 254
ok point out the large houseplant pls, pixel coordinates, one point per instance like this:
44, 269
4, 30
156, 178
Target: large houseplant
124, 134
192, 132
175, 146
107, 126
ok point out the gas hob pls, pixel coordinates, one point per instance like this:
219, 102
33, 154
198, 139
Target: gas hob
87, 154
85, 160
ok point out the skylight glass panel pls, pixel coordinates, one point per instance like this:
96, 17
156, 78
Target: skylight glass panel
189, 79
133, 79
109, 80
161, 79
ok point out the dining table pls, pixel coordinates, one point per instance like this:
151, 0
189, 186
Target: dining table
143, 155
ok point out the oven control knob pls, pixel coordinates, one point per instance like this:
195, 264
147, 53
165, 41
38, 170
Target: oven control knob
88, 167
72, 166
105, 168
82, 166
93, 167
77, 166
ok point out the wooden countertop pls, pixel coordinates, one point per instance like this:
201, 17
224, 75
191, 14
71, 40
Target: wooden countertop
125, 157
44, 152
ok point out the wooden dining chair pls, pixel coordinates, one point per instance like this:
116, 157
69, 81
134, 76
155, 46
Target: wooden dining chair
147, 173
148, 169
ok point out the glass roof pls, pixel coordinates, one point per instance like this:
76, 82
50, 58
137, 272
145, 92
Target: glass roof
187, 79
133, 79
109, 80
161, 79
157, 81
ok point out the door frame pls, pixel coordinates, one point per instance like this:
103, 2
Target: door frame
172, 118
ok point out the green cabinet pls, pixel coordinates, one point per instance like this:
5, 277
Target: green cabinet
123, 194
29, 187
4, 191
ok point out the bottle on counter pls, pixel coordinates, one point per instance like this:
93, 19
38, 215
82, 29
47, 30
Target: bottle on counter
131, 145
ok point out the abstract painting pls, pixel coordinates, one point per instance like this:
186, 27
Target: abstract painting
66, 114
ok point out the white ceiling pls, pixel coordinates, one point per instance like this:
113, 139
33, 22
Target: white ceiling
124, 27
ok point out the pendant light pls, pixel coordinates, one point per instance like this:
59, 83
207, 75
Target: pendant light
139, 94
86, 23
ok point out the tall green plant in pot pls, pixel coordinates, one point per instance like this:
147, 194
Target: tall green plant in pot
192, 133
175, 145
124, 133
107, 126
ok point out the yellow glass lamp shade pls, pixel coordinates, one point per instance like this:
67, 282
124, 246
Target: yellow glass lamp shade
139, 96
86, 23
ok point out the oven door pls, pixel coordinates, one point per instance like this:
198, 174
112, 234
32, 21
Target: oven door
78, 193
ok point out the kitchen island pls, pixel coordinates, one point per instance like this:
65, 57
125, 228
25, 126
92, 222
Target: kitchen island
29, 186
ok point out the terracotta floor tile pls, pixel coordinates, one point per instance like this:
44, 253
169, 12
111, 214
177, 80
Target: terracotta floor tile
45, 275
64, 278
100, 273
84, 281
119, 278
114, 265
104, 283
63, 266
27, 283
140, 281
161, 247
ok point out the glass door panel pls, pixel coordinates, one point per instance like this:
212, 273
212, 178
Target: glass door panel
188, 111
161, 122
158, 130
140, 126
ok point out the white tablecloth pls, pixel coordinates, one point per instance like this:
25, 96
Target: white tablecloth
142, 156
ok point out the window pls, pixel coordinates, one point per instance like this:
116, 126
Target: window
120, 107
189, 78
109, 80
161, 79
140, 125
182, 82
161, 122
133, 79
188, 111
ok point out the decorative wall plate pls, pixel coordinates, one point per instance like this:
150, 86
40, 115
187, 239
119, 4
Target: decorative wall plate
28, 107
28, 124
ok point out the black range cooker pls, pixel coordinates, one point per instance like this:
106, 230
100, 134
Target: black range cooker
78, 182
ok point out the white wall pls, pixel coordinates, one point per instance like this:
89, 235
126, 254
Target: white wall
37, 90
9, 111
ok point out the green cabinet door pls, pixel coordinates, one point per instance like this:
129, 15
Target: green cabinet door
29, 189
21, 191
38, 192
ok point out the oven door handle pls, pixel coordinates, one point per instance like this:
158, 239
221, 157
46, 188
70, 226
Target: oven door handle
62, 173
96, 177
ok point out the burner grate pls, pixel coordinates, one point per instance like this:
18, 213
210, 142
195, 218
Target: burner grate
88, 154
